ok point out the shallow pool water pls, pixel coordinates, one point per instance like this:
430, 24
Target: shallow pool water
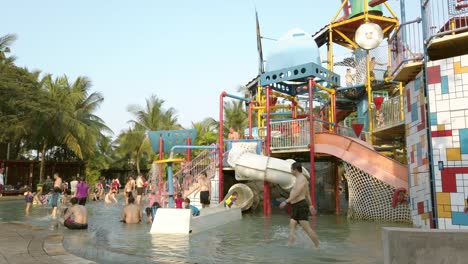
255, 239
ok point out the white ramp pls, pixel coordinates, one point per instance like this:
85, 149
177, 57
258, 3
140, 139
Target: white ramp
171, 221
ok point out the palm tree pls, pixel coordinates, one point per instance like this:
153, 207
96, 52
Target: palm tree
152, 117
206, 131
236, 117
73, 123
5, 43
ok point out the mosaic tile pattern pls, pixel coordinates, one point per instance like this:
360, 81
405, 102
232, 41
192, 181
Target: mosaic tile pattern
448, 100
416, 141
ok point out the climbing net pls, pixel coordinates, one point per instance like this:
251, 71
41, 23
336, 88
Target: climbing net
371, 199
356, 63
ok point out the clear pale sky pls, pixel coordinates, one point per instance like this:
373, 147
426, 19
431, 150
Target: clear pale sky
185, 52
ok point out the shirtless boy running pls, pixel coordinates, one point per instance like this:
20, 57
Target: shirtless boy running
299, 200
205, 190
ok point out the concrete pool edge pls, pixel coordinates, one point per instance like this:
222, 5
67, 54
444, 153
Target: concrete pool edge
33, 245
424, 246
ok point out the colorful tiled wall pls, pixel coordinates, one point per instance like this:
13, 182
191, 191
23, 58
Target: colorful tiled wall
418, 163
448, 99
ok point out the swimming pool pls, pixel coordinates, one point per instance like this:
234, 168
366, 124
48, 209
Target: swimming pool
255, 239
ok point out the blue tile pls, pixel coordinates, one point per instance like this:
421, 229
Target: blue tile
417, 84
464, 140
444, 84
433, 119
459, 218
419, 154
414, 112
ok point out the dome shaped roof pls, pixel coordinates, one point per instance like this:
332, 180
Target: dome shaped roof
296, 47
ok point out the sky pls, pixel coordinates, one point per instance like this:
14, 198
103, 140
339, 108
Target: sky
185, 52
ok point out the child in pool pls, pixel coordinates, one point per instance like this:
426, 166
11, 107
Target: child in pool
28, 198
231, 200
178, 201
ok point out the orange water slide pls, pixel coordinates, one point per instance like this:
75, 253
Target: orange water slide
362, 155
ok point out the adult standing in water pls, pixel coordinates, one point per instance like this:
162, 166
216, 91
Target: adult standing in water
131, 213
73, 184
129, 187
140, 186
299, 201
205, 190
82, 189
58, 181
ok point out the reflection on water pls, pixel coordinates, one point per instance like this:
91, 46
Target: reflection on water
253, 240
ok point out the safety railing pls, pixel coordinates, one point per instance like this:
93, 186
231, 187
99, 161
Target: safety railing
295, 134
389, 114
445, 17
406, 44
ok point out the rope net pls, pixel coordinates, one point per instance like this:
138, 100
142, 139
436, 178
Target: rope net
356, 63
371, 199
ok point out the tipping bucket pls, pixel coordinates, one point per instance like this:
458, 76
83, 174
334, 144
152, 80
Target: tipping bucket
357, 8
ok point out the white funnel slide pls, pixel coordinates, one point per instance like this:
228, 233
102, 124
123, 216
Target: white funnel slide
245, 196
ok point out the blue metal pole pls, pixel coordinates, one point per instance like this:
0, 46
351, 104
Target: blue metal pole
247, 100
171, 187
189, 147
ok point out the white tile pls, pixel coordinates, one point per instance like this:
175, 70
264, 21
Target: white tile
456, 144
455, 132
463, 227
457, 199
460, 95
441, 223
465, 78
446, 97
438, 183
458, 113
458, 88
448, 126
464, 156
438, 188
461, 208
453, 95
465, 182
449, 61
443, 117
454, 208
459, 177
460, 183
450, 163
443, 67
460, 188
458, 104
457, 58
437, 88
465, 176
458, 122
464, 60
448, 225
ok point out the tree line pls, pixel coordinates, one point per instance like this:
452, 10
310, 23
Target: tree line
52, 118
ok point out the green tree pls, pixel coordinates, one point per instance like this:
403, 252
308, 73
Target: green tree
236, 117
5, 42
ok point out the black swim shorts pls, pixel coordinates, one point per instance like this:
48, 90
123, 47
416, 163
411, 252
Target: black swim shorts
73, 225
140, 190
205, 197
300, 211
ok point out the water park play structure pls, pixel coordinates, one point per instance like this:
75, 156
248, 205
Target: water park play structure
357, 125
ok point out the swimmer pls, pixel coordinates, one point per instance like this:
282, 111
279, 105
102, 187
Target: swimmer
131, 213
187, 205
129, 187
205, 190
76, 216
55, 201
140, 186
300, 207
28, 198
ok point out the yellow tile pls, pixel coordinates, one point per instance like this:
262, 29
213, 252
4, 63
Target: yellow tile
415, 176
440, 127
424, 216
453, 154
443, 214
447, 208
423, 141
413, 148
458, 69
443, 198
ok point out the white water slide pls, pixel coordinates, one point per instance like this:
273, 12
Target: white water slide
249, 166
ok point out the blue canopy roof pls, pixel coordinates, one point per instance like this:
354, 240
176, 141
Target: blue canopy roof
171, 138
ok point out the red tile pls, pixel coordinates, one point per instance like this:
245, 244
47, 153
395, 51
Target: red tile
449, 182
423, 118
433, 75
408, 100
420, 207
412, 157
448, 133
435, 134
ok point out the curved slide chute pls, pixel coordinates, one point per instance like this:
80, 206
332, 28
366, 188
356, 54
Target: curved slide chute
361, 155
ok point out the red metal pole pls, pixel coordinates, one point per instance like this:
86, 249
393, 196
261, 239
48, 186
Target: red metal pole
266, 185
335, 127
160, 184
250, 119
188, 150
337, 189
221, 147
312, 143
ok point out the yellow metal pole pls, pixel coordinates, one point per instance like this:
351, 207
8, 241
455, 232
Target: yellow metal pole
259, 112
390, 10
369, 98
389, 49
330, 48
402, 113
339, 10
366, 10
347, 39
